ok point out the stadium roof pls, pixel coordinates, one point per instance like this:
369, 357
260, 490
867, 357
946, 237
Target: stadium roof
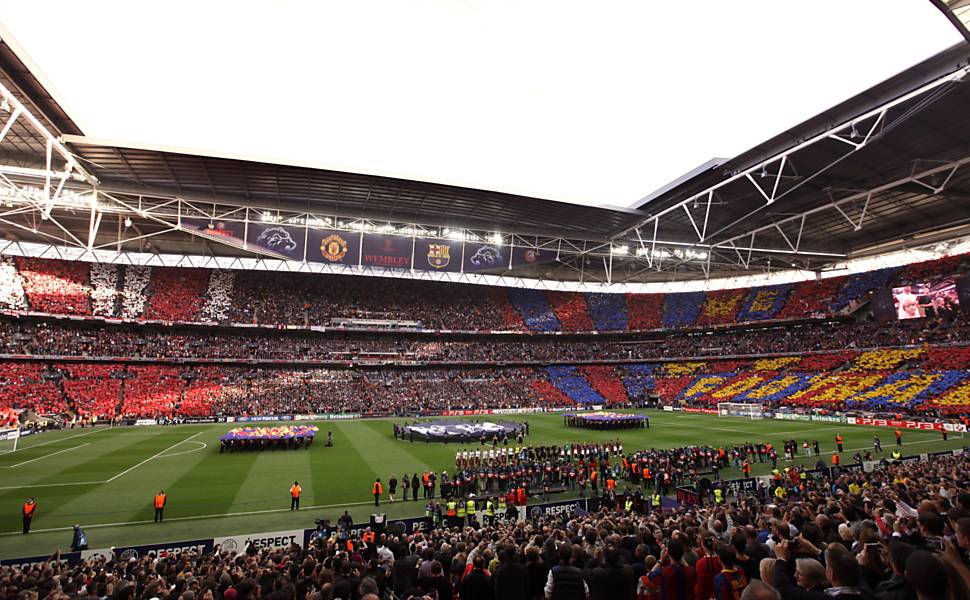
882, 170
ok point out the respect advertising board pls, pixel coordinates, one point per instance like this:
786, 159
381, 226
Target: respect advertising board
555, 509
126, 553
273, 540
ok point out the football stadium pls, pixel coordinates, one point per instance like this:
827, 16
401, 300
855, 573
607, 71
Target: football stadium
284, 364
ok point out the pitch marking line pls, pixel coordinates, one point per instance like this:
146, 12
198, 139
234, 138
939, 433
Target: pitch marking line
257, 512
22, 448
195, 517
46, 455
128, 470
202, 446
153, 456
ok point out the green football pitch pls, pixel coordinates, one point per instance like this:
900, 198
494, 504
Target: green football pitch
105, 478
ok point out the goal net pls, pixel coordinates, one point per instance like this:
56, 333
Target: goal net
738, 409
8, 439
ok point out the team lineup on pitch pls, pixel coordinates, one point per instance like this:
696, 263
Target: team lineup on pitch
105, 478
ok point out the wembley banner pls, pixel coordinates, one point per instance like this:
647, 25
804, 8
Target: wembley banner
386, 251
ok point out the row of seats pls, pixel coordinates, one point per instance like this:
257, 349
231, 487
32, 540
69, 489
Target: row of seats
177, 294
151, 390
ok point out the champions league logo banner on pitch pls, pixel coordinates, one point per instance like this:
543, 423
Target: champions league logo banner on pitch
329, 246
440, 431
437, 255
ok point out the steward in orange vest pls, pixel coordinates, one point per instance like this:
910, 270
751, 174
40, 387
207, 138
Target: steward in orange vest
160, 499
29, 507
838, 441
295, 491
378, 490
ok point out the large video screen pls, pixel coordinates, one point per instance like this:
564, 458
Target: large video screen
935, 299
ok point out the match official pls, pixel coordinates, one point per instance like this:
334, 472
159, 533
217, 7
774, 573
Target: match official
378, 490
160, 499
29, 507
295, 491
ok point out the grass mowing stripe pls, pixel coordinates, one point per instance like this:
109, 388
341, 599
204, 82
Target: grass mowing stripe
154, 456
99, 461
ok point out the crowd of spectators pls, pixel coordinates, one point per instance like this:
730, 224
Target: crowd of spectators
57, 287
901, 532
152, 391
53, 338
304, 299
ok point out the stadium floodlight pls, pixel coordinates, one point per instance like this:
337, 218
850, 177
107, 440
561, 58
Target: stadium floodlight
619, 250
5, 106
127, 222
496, 238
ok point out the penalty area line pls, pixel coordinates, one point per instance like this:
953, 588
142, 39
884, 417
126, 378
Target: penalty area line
153, 456
128, 470
47, 455
60, 439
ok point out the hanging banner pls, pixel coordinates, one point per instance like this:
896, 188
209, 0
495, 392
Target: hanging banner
437, 255
230, 232
522, 257
286, 240
485, 257
386, 251
330, 246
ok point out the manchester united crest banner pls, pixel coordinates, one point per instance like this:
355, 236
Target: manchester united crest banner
333, 247
437, 255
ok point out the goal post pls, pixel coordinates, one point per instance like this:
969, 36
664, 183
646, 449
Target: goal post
749, 410
8, 439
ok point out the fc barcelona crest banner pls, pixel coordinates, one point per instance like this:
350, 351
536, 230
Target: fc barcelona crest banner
437, 255
329, 246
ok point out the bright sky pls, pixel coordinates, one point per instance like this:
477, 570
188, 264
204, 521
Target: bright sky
590, 102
